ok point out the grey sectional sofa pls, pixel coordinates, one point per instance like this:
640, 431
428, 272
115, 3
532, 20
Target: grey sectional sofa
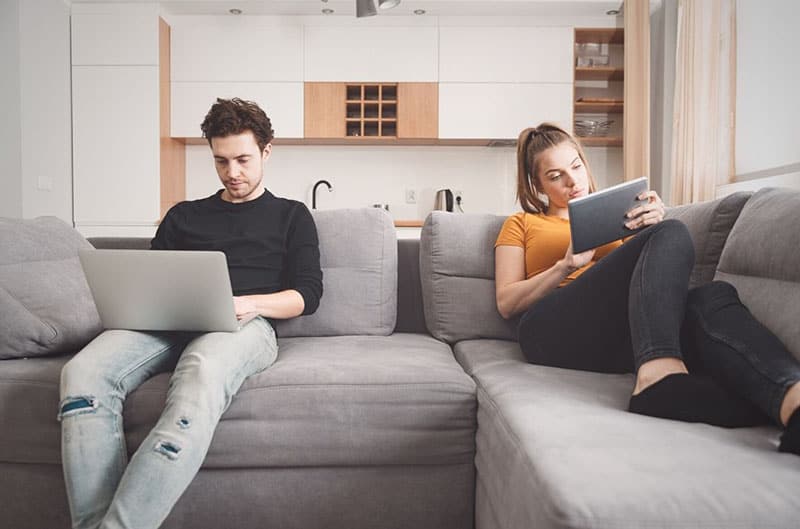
404, 402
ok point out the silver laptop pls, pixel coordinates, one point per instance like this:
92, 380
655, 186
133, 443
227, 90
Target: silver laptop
161, 290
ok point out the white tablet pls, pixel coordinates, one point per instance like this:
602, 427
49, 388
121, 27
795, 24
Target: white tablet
599, 218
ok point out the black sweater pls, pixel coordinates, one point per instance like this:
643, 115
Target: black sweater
271, 243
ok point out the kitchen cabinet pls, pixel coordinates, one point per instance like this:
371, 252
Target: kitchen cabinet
129, 38
371, 54
501, 110
283, 103
127, 170
115, 145
226, 49
599, 90
371, 111
505, 54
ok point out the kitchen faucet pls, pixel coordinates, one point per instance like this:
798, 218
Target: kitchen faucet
314, 192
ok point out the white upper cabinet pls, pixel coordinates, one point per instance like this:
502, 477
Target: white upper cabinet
282, 102
236, 49
501, 110
371, 54
114, 39
506, 54
115, 144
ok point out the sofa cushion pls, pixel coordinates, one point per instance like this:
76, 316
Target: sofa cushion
762, 260
358, 255
45, 303
556, 449
457, 276
332, 401
709, 224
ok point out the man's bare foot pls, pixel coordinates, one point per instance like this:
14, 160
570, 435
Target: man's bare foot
651, 372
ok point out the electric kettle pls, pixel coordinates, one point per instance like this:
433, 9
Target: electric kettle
444, 200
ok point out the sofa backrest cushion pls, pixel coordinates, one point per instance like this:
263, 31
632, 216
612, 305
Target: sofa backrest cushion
358, 255
45, 303
762, 260
457, 277
709, 224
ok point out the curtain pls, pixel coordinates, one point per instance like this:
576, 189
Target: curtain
703, 121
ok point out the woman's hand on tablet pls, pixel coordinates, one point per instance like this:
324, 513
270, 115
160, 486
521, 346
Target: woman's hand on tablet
573, 261
647, 214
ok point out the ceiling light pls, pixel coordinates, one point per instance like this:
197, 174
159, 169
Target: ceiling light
419, 11
235, 11
388, 4
365, 8
612, 12
327, 11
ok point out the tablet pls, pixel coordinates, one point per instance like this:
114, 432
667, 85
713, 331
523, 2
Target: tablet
599, 218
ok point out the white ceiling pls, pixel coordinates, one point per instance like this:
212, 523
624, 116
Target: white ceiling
406, 7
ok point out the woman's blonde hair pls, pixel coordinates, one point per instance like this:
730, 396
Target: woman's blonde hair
531, 143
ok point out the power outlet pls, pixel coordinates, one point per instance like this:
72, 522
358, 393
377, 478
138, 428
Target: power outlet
411, 196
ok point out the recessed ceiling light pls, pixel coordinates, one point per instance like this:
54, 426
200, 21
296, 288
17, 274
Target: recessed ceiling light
419, 11
612, 12
327, 11
235, 11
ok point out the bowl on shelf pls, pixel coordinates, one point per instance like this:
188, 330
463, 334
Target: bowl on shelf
592, 127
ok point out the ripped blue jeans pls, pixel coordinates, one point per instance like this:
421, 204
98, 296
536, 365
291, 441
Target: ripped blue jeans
104, 489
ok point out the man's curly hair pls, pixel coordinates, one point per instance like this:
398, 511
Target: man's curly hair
235, 116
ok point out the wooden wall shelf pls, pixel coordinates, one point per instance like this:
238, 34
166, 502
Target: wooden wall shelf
599, 73
374, 140
601, 35
582, 107
600, 141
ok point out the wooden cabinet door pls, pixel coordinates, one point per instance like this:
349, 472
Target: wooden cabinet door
418, 110
324, 110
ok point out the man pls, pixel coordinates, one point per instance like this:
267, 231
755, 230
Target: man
273, 257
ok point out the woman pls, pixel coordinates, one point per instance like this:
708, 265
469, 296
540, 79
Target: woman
626, 308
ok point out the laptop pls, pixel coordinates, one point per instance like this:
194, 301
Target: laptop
161, 290
599, 218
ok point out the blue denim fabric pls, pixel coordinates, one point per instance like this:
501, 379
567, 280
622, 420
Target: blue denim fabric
103, 488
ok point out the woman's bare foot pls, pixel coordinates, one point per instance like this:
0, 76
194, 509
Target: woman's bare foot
790, 404
651, 372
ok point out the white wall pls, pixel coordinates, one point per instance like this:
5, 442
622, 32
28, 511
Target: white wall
45, 133
363, 176
10, 144
767, 85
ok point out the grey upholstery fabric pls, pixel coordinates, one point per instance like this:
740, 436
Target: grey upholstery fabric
410, 315
121, 243
45, 303
350, 400
709, 224
457, 275
556, 449
762, 260
358, 254
381, 497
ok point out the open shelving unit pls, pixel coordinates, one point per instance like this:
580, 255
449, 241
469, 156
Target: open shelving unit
371, 110
599, 90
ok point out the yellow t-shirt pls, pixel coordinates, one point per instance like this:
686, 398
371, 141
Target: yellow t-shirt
545, 241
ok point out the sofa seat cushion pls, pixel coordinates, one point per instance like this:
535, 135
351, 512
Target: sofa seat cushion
348, 400
556, 449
